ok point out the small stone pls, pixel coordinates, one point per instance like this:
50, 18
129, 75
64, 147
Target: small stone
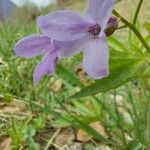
5, 143
75, 146
65, 137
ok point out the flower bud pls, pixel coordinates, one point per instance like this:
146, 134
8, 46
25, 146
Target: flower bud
112, 25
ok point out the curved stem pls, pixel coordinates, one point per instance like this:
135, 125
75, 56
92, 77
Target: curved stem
137, 11
122, 27
133, 28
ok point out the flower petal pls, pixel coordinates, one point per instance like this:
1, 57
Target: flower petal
45, 67
64, 25
100, 10
68, 49
96, 58
32, 46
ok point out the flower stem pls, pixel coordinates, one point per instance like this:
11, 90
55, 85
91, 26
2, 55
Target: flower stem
133, 28
122, 27
137, 11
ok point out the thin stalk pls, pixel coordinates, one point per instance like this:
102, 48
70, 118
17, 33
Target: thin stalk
122, 27
137, 12
118, 121
52, 138
133, 28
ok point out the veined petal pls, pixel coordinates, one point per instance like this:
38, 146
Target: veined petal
33, 45
94, 7
68, 49
100, 10
96, 58
65, 25
46, 66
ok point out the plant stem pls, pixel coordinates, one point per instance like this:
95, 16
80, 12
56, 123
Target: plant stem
137, 12
122, 27
51, 139
119, 120
133, 28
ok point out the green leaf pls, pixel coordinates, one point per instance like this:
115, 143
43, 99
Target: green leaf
123, 66
30, 131
91, 131
115, 44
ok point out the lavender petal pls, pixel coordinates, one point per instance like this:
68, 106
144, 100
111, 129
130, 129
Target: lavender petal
96, 58
64, 25
69, 49
46, 66
32, 46
101, 11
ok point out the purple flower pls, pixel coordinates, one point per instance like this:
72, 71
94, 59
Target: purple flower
74, 33
35, 45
